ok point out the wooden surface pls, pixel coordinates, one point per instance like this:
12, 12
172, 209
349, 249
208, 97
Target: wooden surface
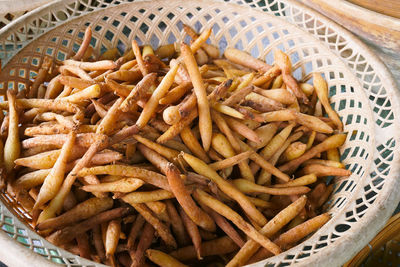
380, 29
387, 7
380, 32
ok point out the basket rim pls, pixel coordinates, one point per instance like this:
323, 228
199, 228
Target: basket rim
381, 209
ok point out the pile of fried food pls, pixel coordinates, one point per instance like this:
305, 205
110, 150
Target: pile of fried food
174, 156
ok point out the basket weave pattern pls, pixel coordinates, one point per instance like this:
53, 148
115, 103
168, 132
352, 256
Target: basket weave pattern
362, 92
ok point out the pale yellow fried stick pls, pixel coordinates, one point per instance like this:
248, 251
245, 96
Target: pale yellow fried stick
321, 88
163, 259
84, 45
244, 59
97, 65
212, 51
161, 90
41, 76
139, 58
329, 143
200, 91
54, 180
138, 90
268, 230
12, 146
293, 235
283, 62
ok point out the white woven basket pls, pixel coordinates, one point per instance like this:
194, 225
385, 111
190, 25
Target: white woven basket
362, 89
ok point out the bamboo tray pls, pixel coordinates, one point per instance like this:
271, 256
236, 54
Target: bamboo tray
363, 90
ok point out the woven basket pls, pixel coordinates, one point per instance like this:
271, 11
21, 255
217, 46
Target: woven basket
362, 89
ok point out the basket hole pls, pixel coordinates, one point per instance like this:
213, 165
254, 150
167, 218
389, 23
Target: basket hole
216, 28
109, 35
133, 19
60, 56
289, 257
126, 31
171, 38
341, 228
233, 31
207, 17
322, 245
239, 45
57, 260
361, 209
21, 73
254, 52
370, 195
189, 15
306, 248
154, 41
162, 26
294, 57
249, 36
222, 43
303, 255
115, 23
323, 238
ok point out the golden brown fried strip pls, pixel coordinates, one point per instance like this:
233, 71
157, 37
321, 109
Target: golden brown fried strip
138, 91
225, 226
231, 161
193, 232
176, 223
68, 233
197, 215
83, 210
135, 231
219, 246
202, 168
191, 142
139, 58
144, 243
283, 62
228, 213
161, 228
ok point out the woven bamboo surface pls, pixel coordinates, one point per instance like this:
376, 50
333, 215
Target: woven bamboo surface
372, 255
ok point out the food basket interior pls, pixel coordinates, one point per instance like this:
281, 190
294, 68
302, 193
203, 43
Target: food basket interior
361, 89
